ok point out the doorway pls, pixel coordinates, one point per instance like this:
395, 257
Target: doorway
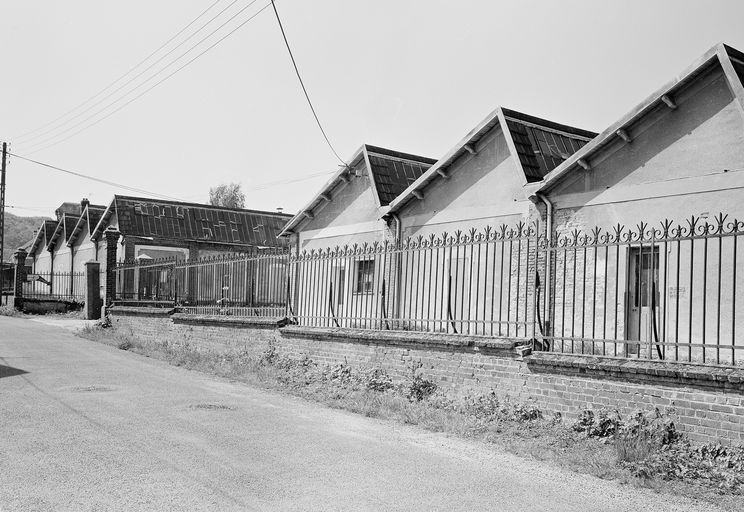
643, 298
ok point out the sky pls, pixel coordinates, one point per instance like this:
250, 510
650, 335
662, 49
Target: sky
409, 75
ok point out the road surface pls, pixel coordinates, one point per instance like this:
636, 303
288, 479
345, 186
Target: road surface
84, 426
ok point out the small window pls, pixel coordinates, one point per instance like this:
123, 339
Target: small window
365, 276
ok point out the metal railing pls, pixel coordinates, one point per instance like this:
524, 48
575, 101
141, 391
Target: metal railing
62, 286
475, 283
666, 292
252, 284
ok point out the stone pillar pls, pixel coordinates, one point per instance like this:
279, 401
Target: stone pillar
112, 238
20, 277
92, 290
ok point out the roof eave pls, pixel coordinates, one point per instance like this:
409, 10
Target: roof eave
554, 177
289, 227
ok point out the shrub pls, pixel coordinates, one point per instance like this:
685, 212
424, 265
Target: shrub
376, 379
602, 425
420, 388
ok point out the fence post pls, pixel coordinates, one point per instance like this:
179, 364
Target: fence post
19, 258
112, 238
92, 290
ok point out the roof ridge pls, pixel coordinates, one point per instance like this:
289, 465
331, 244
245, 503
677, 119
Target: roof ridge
202, 205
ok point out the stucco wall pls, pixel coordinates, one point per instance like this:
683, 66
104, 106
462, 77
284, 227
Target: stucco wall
484, 189
682, 162
351, 217
43, 261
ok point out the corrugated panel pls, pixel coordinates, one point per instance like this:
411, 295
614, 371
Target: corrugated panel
540, 151
392, 175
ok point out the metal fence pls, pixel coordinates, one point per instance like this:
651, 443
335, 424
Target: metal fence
62, 286
475, 283
242, 284
656, 292
665, 292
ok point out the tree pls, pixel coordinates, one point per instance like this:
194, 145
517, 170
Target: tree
228, 195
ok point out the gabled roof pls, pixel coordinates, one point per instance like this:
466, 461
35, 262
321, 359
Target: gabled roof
537, 145
45, 232
174, 220
63, 230
391, 172
729, 59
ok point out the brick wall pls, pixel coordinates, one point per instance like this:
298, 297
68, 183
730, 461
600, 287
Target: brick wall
706, 402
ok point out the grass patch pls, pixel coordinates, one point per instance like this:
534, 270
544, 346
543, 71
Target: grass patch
643, 449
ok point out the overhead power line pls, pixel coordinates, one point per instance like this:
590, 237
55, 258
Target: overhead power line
114, 102
153, 53
93, 178
307, 96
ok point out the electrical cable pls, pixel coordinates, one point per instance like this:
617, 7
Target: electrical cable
48, 139
135, 77
99, 180
24, 135
307, 97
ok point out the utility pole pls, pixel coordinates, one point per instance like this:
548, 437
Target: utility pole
2, 205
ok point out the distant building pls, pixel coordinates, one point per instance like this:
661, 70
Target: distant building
150, 229
153, 228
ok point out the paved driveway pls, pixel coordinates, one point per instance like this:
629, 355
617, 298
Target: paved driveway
87, 427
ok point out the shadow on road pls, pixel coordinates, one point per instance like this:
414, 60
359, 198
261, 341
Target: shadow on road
9, 371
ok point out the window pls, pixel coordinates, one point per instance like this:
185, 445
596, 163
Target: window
365, 276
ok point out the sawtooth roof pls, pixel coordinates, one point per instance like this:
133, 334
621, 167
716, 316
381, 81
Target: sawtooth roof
175, 220
391, 172
540, 146
92, 213
729, 59
45, 232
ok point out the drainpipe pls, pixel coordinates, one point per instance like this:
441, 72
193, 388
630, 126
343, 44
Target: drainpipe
398, 261
548, 259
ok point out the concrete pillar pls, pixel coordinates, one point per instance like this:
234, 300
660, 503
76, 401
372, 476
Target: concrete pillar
112, 238
92, 290
19, 259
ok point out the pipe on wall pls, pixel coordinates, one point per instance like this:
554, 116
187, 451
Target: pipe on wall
398, 261
548, 259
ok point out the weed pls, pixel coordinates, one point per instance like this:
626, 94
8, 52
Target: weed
419, 387
124, 345
9, 311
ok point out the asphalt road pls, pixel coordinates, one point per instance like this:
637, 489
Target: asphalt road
84, 426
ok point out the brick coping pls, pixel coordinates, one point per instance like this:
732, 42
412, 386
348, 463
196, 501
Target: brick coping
505, 347
228, 321
139, 311
691, 374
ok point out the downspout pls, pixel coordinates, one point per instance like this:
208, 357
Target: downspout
548, 259
398, 258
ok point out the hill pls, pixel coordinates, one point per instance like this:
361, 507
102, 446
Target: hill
18, 231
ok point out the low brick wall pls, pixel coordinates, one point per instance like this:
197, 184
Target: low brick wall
706, 402
42, 307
